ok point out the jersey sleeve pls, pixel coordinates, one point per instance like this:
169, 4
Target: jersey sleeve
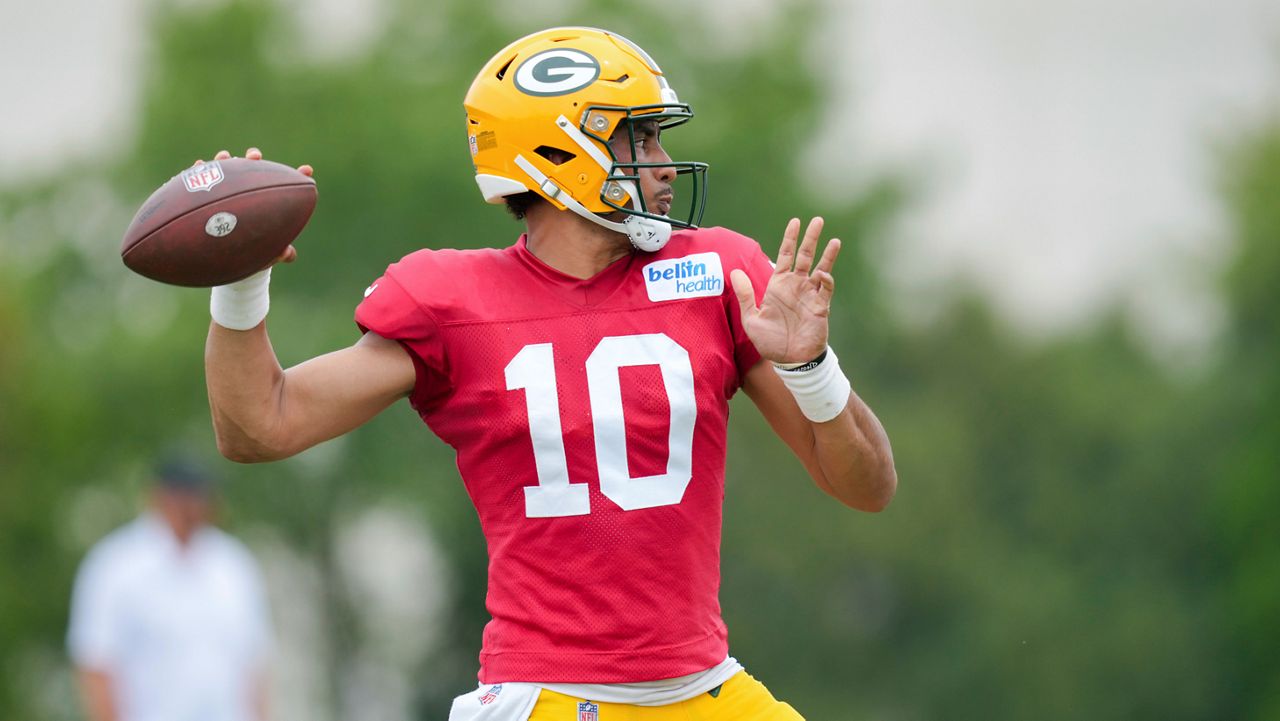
751, 260
392, 312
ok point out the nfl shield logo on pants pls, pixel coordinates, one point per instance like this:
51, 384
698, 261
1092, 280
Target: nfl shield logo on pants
491, 695
588, 711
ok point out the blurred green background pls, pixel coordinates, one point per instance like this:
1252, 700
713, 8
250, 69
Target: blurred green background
1083, 529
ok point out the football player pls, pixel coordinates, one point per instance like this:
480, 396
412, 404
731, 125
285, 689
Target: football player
582, 375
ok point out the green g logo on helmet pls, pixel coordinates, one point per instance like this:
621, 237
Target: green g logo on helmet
556, 72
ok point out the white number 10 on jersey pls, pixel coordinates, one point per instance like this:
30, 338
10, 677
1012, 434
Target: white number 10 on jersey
533, 369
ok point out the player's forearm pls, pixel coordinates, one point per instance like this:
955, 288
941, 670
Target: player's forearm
854, 458
245, 381
263, 413
848, 456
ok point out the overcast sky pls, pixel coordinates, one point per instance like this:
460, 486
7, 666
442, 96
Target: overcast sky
1066, 143
1069, 146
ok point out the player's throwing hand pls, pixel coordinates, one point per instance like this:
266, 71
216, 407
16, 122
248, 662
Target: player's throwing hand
290, 253
790, 325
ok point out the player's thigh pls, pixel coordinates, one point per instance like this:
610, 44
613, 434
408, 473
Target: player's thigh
741, 698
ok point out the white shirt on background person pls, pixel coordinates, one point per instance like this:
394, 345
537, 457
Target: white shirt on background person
182, 631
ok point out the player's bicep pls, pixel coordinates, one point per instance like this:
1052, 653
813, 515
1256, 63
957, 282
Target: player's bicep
336, 392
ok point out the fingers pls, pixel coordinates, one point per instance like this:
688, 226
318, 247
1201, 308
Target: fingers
828, 259
256, 154
743, 289
289, 255
809, 246
787, 252
826, 284
800, 258
251, 154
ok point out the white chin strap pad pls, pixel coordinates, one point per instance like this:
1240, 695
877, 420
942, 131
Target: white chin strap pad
647, 234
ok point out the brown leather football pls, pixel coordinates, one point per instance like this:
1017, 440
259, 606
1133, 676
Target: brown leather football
218, 222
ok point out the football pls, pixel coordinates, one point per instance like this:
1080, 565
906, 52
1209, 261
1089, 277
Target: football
218, 222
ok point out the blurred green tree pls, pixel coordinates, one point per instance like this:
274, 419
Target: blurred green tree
1245, 432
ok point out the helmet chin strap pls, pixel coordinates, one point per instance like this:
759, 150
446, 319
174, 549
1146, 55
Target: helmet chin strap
645, 234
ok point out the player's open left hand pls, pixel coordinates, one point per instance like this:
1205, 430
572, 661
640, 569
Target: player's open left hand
790, 325
290, 253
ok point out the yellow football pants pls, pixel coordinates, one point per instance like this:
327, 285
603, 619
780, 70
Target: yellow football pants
741, 698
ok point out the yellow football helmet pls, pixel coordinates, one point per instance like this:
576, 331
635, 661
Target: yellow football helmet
569, 89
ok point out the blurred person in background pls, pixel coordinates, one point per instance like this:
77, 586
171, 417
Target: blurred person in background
603, 531
169, 621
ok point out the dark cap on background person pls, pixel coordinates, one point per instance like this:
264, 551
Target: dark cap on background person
184, 494
184, 474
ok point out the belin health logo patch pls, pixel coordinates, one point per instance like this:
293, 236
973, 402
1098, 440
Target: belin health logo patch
694, 276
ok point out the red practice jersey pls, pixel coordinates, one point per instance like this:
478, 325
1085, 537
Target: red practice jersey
589, 421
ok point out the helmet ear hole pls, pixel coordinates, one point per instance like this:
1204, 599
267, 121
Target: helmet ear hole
557, 156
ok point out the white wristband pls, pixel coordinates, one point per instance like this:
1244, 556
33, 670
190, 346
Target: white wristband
242, 305
821, 391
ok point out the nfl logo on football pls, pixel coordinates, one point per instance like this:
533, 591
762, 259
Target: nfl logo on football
202, 177
588, 711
